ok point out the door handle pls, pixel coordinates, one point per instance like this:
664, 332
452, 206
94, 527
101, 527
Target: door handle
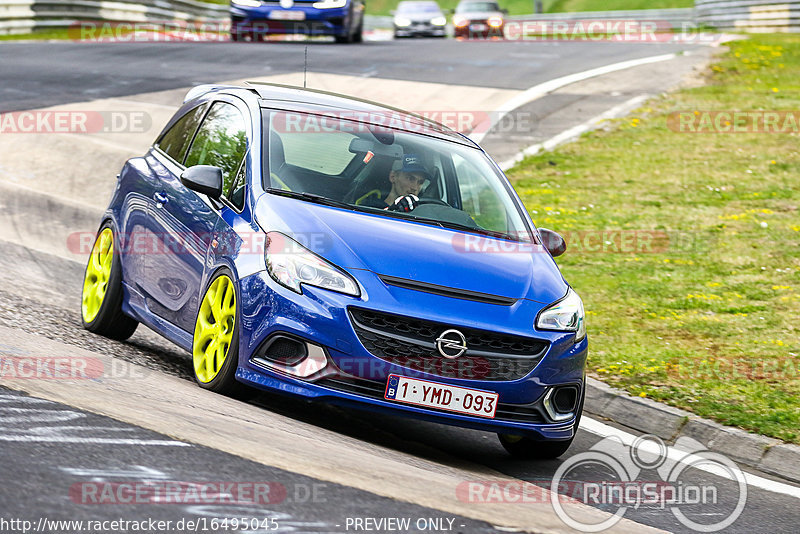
161, 199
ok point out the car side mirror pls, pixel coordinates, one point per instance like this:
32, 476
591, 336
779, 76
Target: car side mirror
504, 11
205, 179
553, 242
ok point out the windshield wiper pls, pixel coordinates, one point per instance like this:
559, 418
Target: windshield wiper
311, 197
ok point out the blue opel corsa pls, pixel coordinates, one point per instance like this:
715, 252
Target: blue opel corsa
332, 248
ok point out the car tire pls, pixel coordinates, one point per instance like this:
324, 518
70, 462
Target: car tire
349, 36
525, 448
101, 296
358, 37
217, 327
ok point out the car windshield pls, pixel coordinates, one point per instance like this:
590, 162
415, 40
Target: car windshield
477, 7
417, 7
334, 160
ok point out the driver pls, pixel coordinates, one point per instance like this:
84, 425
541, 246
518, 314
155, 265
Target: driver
407, 177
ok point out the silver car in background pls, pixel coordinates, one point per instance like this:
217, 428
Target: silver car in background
419, 18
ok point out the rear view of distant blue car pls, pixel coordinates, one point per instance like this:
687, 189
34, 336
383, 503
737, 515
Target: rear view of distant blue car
256, 19
334, 249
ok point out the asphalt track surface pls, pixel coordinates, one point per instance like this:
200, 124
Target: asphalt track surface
41, 297
39, 74
99, 469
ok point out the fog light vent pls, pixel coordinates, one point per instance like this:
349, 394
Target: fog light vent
292, 356
560, 402
565, 398
284, 351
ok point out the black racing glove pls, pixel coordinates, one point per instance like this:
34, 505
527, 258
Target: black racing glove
405, 204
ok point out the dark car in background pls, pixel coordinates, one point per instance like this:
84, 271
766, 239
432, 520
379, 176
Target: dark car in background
479, 19
419, 19
255, 19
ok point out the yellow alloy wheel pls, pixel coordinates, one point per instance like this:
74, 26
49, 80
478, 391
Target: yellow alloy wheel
213, 331
98, 272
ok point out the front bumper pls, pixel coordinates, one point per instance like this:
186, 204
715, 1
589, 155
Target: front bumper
479, 30
354, 377
260, 21
420, 30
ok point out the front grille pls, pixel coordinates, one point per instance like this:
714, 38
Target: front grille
370, 388
410, 343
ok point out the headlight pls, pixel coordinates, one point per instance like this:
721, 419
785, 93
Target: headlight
460, 22
402, 22
329, 4
291, 264
247, 3
495, 22
439, 21
566, 315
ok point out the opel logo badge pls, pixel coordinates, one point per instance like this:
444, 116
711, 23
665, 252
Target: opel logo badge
286, 4
451, 344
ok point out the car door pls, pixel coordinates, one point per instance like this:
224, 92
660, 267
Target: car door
186, 221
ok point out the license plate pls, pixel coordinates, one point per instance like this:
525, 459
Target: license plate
287, 15
445, 397
478, 27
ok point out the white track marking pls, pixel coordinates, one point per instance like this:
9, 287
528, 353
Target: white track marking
575, 131
538, 91
603, 430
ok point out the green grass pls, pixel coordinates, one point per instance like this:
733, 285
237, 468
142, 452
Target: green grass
707, 320
563, 6
56, 33
524, 7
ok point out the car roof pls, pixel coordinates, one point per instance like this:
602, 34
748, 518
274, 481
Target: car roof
293, 98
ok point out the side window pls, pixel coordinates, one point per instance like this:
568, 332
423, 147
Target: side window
176, 140
221, 141
478, 198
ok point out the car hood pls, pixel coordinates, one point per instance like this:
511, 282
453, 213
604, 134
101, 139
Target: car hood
414, 251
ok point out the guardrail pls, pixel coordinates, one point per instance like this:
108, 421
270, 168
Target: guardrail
677, 18
23, 16
749, 15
